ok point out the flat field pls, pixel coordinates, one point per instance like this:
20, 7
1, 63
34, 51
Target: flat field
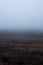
21, 50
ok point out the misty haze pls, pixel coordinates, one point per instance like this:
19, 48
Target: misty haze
21, 32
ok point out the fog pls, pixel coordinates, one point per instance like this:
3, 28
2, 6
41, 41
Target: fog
21, 14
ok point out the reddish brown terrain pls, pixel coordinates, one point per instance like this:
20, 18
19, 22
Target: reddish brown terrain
21, 50
24, 43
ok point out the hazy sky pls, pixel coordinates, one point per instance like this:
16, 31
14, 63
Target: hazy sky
17, 14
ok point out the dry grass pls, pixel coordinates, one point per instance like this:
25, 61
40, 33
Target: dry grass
21, 51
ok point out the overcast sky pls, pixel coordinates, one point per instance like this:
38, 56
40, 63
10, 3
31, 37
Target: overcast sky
21, 14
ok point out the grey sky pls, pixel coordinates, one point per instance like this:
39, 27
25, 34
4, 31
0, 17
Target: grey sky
16, 14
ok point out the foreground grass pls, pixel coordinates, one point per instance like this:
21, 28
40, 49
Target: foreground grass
9, 56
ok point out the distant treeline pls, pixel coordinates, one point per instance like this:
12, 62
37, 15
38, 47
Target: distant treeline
25, 33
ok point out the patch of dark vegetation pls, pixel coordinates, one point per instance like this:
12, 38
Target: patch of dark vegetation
18, 57
9, 55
